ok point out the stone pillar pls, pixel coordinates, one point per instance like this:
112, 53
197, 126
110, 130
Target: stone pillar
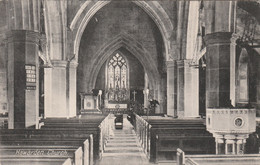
3, 76
220, 70
241, 146
220, 146
180, 87
230, 147
191, 90
188, 90
146, 90
258, 90
55, 90
23, 78
72, 87
171, 89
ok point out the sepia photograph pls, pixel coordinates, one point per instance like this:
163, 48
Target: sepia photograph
129, 82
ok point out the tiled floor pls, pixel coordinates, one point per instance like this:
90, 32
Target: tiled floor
123, 147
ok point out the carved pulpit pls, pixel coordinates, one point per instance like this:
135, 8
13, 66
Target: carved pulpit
88, 101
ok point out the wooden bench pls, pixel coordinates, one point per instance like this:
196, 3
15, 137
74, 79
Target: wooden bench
26, 154
167, 145
65, 148
245, 159
68, 136
163, 137
47, 137
36, 161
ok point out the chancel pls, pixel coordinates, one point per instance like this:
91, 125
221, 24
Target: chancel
129, 82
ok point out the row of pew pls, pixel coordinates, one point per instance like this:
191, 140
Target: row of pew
160, 137
245, 159
59, 141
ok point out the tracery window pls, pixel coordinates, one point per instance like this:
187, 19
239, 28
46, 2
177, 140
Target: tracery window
117, 72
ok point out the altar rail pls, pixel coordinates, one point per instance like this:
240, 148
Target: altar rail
246, 159
142, 129
116, 111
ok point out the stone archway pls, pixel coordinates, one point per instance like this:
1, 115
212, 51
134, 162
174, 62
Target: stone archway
152, 8
123, 40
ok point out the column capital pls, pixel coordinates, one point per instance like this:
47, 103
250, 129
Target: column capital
183, 63
59, 63
221, 38
170, 64
73, 64
22, 36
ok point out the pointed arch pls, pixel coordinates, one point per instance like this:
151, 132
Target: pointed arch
152, 8
127, 42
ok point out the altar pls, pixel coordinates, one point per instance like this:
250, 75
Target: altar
117, 98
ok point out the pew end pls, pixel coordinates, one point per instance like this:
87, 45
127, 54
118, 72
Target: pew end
180, 157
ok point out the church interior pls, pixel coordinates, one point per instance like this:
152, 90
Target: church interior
90, 82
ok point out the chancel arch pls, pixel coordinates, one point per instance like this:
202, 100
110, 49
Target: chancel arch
153, 9
105, 35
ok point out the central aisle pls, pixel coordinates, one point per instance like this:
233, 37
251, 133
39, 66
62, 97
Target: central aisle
123, 147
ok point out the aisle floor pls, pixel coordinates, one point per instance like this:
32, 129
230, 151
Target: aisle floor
123, 147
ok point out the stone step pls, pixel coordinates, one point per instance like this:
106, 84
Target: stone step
121, 144
121, 151
118, 134
122, 141
124, 134
123, 154
118, 138
129, 148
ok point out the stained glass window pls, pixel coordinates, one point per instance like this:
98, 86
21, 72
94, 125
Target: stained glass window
117, 72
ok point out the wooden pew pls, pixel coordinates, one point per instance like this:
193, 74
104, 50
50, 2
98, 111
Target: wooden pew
167, 144
166, 135
61, 150
24, 154
36, 161
47, 137
72, 133
245, 159
57, 133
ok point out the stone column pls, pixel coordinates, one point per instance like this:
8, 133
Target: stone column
220, 70
55, 90
241, 146
146, 90
191, 90
258, 90
3, 76
188, 90
180, 87
23, 78
171, 89
220, 146
72, 87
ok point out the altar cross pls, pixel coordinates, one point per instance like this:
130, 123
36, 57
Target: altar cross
134, 93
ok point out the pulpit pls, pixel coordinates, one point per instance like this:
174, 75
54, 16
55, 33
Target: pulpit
89, 103
230, 127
